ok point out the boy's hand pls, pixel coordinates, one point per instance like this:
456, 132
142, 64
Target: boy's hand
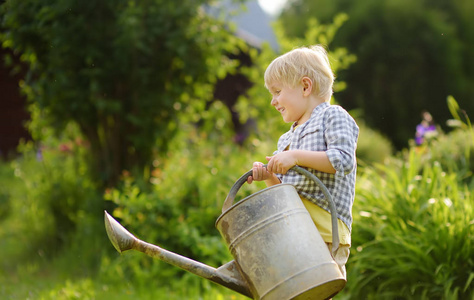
281, 162
259, 173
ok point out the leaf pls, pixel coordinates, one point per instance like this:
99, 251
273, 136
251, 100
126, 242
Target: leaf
453, 107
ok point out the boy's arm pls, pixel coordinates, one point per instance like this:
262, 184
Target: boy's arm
317, 160
283, 161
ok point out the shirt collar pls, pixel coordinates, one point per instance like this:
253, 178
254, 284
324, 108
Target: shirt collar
317, 110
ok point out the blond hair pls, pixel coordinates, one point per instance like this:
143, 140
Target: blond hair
312, 62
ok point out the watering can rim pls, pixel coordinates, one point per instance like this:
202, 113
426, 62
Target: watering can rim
241, 201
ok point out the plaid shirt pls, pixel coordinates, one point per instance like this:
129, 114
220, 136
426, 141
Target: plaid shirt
331, 129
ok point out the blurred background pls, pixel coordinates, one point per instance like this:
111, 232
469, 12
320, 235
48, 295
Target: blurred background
152, 109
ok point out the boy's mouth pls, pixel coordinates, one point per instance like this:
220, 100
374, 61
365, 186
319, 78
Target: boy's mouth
281, 109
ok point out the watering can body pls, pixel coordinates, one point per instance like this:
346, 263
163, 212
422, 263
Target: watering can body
278, 251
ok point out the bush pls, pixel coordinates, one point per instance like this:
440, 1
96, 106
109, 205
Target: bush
7, 178
124, 71
53, 203
414, 229
372, 146
459, 159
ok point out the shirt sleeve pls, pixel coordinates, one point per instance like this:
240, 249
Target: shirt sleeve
341, 134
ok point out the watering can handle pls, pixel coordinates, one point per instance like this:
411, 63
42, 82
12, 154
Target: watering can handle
229, 200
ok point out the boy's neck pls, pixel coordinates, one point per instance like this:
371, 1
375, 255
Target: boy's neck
315, 102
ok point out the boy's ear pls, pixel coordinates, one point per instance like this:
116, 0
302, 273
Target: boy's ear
307, 85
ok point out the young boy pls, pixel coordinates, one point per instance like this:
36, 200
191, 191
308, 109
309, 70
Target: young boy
322, 139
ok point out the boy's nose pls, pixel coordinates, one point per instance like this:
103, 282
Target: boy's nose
273, 102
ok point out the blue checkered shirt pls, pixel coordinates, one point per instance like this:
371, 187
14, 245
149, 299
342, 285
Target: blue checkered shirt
331, 129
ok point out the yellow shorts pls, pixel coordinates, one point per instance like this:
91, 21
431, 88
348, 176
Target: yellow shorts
322, 220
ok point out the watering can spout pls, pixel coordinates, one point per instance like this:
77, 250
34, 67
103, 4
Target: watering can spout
227, 275
121, 239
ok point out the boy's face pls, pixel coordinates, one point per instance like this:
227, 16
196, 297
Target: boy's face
291, 102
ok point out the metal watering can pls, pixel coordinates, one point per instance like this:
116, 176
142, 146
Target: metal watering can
278, 251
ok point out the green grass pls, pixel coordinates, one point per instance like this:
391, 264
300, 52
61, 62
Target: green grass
47, 285
33, 280
413, 233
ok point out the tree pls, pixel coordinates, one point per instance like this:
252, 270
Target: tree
410, 56
124, 71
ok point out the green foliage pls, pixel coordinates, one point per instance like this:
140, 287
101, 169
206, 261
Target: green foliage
122, 70
5, 201
459, 159
53, 203
410, 56
459, 114
372, 146
414, 226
